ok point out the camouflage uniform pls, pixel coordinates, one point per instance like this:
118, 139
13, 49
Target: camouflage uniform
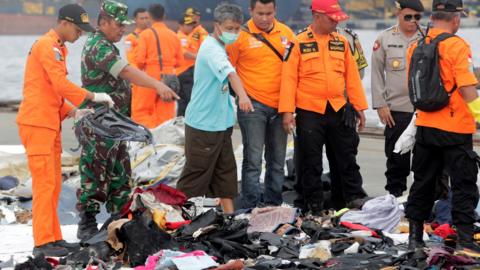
104, 164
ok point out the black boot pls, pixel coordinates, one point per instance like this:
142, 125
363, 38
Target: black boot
72, 247
50, 250
87, 226
415, 238
465, 240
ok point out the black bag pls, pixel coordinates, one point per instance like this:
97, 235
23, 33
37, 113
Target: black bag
426, 89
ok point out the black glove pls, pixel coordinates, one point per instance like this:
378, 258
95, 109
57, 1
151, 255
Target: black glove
350, 116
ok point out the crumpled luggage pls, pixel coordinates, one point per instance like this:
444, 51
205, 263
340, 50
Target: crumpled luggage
208, 218
37, 263
142, 237
163, 194
107, 123
359, 262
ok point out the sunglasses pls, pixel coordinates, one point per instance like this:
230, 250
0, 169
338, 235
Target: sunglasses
409, 17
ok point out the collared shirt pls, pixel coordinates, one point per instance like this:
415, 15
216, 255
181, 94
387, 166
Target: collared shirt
456, 68
46, 85
257, 65
131, 42
320, 69
211, 107
193, 42
147, 51
389, 70
101, 66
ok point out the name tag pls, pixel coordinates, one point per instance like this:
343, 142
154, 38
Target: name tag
336, 46
310, 47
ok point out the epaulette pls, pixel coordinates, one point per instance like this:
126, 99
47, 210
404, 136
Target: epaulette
301, 31
350, 32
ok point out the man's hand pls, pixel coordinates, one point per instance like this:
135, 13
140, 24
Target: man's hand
386, 117
165, 93
361, 120
103, 98
289, 123
406, 141
245, 104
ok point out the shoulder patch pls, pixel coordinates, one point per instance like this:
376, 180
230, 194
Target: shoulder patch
196, 36
308, 47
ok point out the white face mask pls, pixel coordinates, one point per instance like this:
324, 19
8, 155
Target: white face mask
228, 38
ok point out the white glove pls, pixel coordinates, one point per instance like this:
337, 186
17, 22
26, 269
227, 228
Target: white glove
103, 98
406, 142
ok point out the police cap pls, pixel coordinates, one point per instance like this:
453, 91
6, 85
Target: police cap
448, 5
412, 4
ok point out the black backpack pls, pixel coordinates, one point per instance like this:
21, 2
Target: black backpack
426, 89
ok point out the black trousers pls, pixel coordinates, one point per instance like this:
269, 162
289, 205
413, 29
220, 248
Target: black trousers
435, 151
398, 166
313, 132
186, 85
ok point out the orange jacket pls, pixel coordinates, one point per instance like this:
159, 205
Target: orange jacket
257, 65
146, 53
194, 40
320, 69
46, 85
131, 42
455, 68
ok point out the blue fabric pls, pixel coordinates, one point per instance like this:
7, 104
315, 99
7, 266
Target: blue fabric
211, 106
262, 128
443, 210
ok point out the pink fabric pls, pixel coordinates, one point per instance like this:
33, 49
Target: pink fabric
151, 263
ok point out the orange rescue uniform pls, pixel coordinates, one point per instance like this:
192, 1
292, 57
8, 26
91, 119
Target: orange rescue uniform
131, 42
192, 44
147, 108
259, 67
318, 70
455, 68
39, 119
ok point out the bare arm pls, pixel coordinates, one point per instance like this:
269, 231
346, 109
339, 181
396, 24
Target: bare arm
243, 101
469, 93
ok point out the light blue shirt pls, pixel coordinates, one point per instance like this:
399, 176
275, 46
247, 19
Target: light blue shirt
211, 107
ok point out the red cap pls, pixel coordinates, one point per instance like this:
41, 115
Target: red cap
331, 8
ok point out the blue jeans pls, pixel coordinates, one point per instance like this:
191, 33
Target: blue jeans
260, 128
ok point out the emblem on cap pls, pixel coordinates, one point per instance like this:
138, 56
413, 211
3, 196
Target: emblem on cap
84, 18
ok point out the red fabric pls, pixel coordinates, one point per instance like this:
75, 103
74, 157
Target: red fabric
162, 193
176, 225
444, 231
358, 227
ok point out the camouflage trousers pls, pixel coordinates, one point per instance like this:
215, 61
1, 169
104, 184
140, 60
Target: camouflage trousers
105, 176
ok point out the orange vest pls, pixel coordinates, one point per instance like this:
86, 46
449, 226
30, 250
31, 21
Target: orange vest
455, 68
257, 65
46, 85
320, 69
193, 42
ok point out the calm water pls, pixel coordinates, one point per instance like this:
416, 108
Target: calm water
14, 49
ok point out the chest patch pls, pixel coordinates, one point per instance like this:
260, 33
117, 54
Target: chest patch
309, 47
336, 46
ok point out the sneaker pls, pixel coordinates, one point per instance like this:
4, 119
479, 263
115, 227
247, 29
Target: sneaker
50, 250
